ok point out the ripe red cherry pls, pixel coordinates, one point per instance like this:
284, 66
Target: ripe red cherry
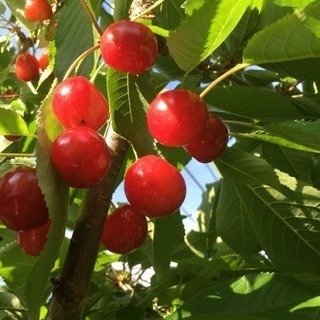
77, 102
37, 10
154, 186
27, 67
32, 242
177, 117
212, 143
22, 204
81, 157
128, 46
125, 229
44, 59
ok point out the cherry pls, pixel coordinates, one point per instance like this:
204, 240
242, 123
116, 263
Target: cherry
32, 242
125, 229
128, 46
81, 157
37, 10
77, 102
44, 59
22, 204
27, 67
177, 117
213, 142
154, 186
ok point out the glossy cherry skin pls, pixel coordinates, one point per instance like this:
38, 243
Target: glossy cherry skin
77, 102
154, 186
177, 117
128, 46
125, 229
22, 204
37, 10
32, 242
27, 67
81, 157
44, 59
213, 142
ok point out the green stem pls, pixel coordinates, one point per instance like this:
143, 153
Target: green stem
79, 60
25, 155
222, 77
156, 4
93, 20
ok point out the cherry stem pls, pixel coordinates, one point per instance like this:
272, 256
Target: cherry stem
93, 20
156, 4
79, 60
13, 155
222, 77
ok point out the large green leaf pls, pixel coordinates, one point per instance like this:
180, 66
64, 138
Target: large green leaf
293, 39
253, 103
12, 123
202, 32
56, 195
129, 96
287, 226
171, 14
121, 9
233, 224
261, 296
168, 234
238, 166
73, 36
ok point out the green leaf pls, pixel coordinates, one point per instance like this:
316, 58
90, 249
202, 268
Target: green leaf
56, 195
253, 103
202, 32
121, 9
168, 234
9, 301
292, 38
261, 296
287, 226
129, 96
12, 123
233, 224
238, 166
73, 36
260, 77
171, 14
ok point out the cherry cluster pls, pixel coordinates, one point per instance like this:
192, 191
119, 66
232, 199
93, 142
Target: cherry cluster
23, 208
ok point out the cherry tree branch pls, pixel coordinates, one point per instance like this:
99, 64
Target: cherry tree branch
70, 289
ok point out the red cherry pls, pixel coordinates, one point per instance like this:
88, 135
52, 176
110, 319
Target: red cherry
177, 117
125, 229
27, 67
37, 10
44, 59
22, 204
77, 102
128, 46
212, 143
32, 242
81, 157
154, 186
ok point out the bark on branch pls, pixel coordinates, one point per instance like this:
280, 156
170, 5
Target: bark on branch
70, 289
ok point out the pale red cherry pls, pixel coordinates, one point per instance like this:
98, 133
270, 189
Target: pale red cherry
37, 10
128, 46
77, 102
154, 186
27, 67
177, 117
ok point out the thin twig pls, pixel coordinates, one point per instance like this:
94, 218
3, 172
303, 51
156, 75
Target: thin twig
93, 20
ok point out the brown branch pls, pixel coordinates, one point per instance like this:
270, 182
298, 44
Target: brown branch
70, 289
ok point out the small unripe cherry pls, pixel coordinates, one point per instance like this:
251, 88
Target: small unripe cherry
177, 117
81, 157
27, 67
32, 242
125, 230
212, 143
154, 186
128, 46
37, 10
77, 102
